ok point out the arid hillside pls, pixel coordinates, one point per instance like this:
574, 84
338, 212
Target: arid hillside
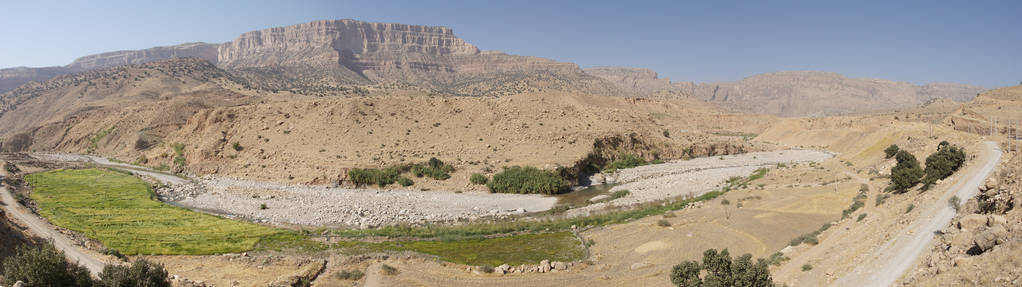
799, 93
189, 115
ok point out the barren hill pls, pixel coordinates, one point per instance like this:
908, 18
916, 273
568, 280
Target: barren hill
799, 93
14, 77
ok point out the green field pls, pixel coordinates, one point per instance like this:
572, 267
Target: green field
118, 210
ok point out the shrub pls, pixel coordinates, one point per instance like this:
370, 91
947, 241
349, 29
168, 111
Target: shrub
486, 268
368, 176
719, 269
663, 223
807, 267
619, 194
114, 253
907, 172
140, 273
624, 161
434, 169
353, 275
890, 151
237, 146
910, 208
263, 206
44, 266
861, 217
389, 270
943, 163
517, 179
954, 202
478, 178
404, 181
667, 133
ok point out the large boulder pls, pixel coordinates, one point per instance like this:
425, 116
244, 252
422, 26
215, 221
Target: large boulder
972, 222
991, 237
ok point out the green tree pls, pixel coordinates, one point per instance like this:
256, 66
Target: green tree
942, 163
141, 273
890, 151
721, 270
907, 172
44, 266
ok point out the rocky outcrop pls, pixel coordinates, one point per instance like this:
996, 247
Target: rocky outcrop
352, 51
203, 51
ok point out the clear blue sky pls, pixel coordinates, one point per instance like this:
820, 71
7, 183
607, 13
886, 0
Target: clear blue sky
974, 42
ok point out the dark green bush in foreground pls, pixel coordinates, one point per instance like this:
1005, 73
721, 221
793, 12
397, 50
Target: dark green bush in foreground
517, 179
43, 266
943, 163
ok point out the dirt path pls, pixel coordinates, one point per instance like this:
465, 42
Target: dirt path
43, 230
889, 261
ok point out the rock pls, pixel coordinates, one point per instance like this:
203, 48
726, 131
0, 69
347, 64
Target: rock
599, 198
503, 268
640, 265
557, 265
972, 222
994, 219
18, 284
544, 266
962, 261
787, 250
991, 237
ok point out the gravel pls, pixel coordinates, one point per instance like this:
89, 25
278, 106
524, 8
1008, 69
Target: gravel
359, 208
689, 177
369, 208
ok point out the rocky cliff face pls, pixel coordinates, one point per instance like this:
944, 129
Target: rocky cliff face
354, 51
204, 51
799, 93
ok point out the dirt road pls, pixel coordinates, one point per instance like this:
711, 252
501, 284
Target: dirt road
889, 261
43, 230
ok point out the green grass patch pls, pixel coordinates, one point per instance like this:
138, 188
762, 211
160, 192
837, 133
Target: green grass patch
119, 210
511, 250
624, 161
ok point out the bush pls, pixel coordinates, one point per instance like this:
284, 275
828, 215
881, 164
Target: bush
434, 169
861, 217
667, 133
404, 181
910, 208
891, 151
623, 162
721, 270
237, 146
353, 275
907, 172
263, 206
114, 253
140, 273
517, 179
619, 194
368, 176
478, 179
44, 266
943, 163
389, 270
807, 267
486, 268
663, 223
954, 202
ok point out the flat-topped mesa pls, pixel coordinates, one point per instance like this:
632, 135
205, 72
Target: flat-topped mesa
328, 41
203, 51
377, 51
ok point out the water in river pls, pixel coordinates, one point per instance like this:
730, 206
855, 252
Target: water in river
580, 197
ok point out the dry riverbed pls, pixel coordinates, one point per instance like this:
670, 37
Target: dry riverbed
365, 208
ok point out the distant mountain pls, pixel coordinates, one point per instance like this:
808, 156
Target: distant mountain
11, 78
798, 93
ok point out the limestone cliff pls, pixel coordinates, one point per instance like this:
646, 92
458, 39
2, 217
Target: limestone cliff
204, 51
